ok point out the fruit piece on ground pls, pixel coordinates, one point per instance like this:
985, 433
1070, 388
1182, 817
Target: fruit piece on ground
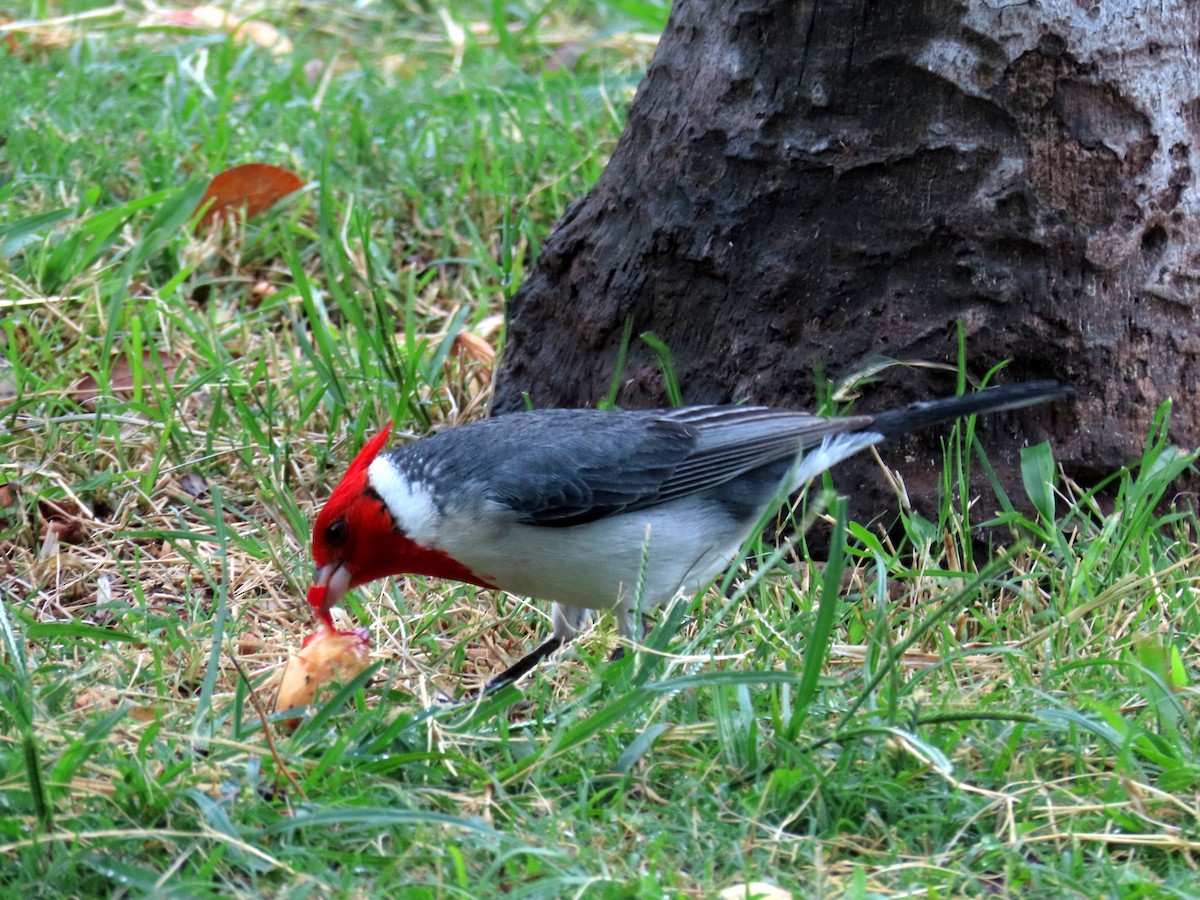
326, 656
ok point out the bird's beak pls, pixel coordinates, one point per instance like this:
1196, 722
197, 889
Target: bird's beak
331, 583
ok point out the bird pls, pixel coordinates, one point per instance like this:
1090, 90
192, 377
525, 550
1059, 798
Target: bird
594, 510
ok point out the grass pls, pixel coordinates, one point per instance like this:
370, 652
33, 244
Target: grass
992, 704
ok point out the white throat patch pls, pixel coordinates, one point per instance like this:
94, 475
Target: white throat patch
411, 505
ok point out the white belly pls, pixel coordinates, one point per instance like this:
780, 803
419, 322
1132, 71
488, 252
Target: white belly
620, 562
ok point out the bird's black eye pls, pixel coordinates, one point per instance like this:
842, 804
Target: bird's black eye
336, 532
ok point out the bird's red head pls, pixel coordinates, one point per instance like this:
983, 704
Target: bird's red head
351, 529
357, 539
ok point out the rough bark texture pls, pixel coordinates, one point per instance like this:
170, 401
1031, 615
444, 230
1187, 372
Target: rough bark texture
805, 186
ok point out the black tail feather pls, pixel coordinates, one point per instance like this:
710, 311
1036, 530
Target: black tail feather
996, 399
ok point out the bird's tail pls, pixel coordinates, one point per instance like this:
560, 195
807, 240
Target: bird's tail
996, 399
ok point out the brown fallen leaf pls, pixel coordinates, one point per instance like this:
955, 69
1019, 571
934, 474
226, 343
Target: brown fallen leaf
68, 531
326, 657
8, 40
63, 521
96, 699
106, 698
260, 291
754, 890
473, 348
193, 485
255, 186
145, 714
212, 18
120, 376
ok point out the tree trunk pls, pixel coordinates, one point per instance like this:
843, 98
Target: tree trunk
803, 187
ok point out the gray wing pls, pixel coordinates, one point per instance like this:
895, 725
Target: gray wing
619, 462
555, 467
631, 461
732, 441
568, 467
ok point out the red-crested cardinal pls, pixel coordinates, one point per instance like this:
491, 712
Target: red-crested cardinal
595, 510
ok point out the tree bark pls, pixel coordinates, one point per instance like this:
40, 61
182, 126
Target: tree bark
803, 187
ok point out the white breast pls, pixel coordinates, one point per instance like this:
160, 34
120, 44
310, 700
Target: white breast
617, 562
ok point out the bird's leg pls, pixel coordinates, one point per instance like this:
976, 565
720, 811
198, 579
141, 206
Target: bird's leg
522, 667
626, 624
568, 622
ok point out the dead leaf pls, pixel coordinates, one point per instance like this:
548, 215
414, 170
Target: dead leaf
255, 186
144, 714
7, 38
63, 521
68, 531
754, 890
105, 698
473, 348
8, 494
96, 699
120, 376
259, 292
192, 484
212, 18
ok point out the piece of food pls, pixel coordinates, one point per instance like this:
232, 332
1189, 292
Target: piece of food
327, 656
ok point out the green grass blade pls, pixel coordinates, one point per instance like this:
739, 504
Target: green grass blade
19, 233
817, 647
